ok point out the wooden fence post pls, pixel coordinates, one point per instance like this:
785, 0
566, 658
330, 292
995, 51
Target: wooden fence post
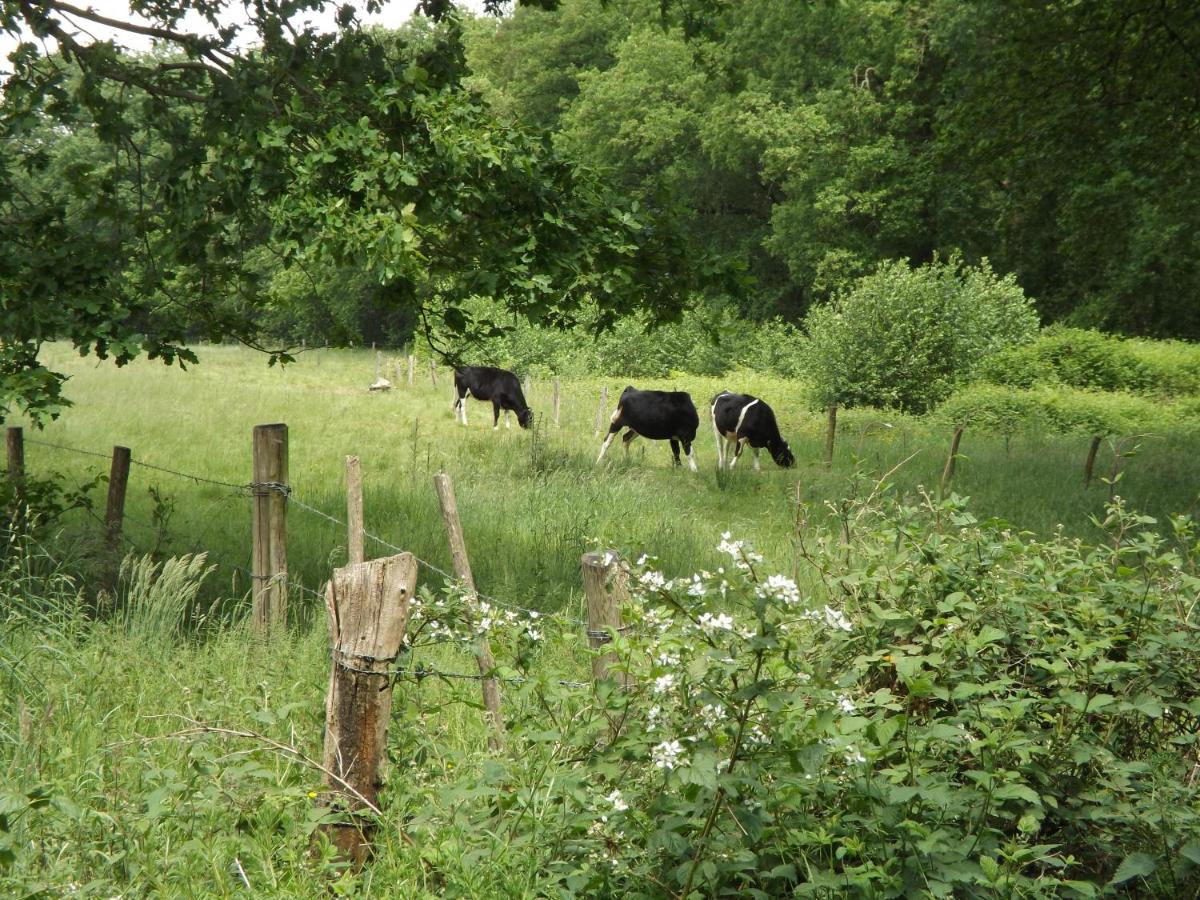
951, 459
830, 431
411, 363
367, 606
15, 442
269, 527
354, 511
1091, 460
462, 569
606, 588
528, 386
114, 515
601, 408
378, 361
432, 372
554, 402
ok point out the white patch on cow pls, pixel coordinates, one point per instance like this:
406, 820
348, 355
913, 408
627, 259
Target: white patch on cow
692, 459
604, 446
757, 467
507, 420
462, 406
616, 414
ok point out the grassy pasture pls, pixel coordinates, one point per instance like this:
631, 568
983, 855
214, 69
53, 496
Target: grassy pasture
91, 708
531, 503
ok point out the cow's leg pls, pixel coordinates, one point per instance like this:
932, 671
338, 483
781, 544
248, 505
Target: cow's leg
757, 466
462, 406
720, 438
507, 418
675, 450
495, 414
627, 440
691, 455
738, 447
612, 430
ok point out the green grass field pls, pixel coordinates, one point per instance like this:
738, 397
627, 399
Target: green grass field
93, 712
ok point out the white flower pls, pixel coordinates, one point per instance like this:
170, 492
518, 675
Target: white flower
853, 756
642, 559
846, 705
710, 623
664, 683
836, 619
618, 803
653, 580
780, 587
653, 717
712, 715
667, 659
533, 634
697, 588
667, 755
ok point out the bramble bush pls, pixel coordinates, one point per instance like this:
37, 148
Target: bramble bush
928, 706
904, 338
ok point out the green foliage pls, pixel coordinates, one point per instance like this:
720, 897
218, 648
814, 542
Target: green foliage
1091, 360
904, 337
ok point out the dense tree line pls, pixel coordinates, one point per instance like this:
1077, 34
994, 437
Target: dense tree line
808, 141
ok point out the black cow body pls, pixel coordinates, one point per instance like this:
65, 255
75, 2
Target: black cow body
489, 383
658, 416
739, 419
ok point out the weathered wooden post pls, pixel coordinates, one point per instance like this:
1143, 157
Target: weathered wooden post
462, 569
601, 408
15, 444
554, 401
269, 527
114, 515
606, 586
951, 459
354, 511
411, 363
367, 606
432, 372
378, 361
830, 432
527, 384
1090, 464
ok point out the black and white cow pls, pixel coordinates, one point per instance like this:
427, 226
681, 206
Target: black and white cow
489, 383
658, 416
739, 419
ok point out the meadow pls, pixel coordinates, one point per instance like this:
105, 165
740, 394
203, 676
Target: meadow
117, 776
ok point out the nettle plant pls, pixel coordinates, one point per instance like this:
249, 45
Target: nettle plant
927, 706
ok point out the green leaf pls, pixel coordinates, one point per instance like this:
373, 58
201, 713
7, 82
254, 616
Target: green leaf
1135, 865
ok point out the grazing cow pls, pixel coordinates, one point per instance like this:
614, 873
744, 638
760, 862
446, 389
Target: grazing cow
739, 419
658, 416
489, 383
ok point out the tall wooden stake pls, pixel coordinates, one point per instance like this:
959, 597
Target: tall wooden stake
354, 510
15, 444
601, 408
378, 361
1091, 460
411, 363
432, 372
606, 588
114, 515
367, 606
951, 459
830, 432
528, 385
554, 401
462, 569
269, 527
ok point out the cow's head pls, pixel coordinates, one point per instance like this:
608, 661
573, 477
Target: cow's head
782, 454
525, 417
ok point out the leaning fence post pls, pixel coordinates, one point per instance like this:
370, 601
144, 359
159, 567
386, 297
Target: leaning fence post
462, 569
269, 527
114, 514
951, 459
528, 387
354, 510
600, 409
411, 363
1091, 460
432, 372
367, 606
830, 431
554, 402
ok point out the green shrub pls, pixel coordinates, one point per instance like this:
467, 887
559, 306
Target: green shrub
1081, 358
904, 338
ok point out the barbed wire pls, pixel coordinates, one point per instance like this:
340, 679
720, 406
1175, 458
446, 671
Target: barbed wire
133, 461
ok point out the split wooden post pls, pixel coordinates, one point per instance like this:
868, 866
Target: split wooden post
367, 606
554, 401
1091, 460
114, 515
378, 361
606, 586
269, 527
432, 372
354, 511
462, 569
830, 432
15, 442
951, 459
528, 386
411, 363
601, 408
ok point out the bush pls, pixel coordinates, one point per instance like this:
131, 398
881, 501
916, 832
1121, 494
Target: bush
1080, 358
904, 338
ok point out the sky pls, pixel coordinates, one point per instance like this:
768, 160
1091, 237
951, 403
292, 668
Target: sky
394, 13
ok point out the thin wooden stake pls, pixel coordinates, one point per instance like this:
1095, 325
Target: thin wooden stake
554, 402
15, 442
354, 510
433, 372
462, 569
269, 527
114, 515
367, 606
411, 364
1091, 460
601, 408
528, 386
830, 431
378, 361
951, 459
